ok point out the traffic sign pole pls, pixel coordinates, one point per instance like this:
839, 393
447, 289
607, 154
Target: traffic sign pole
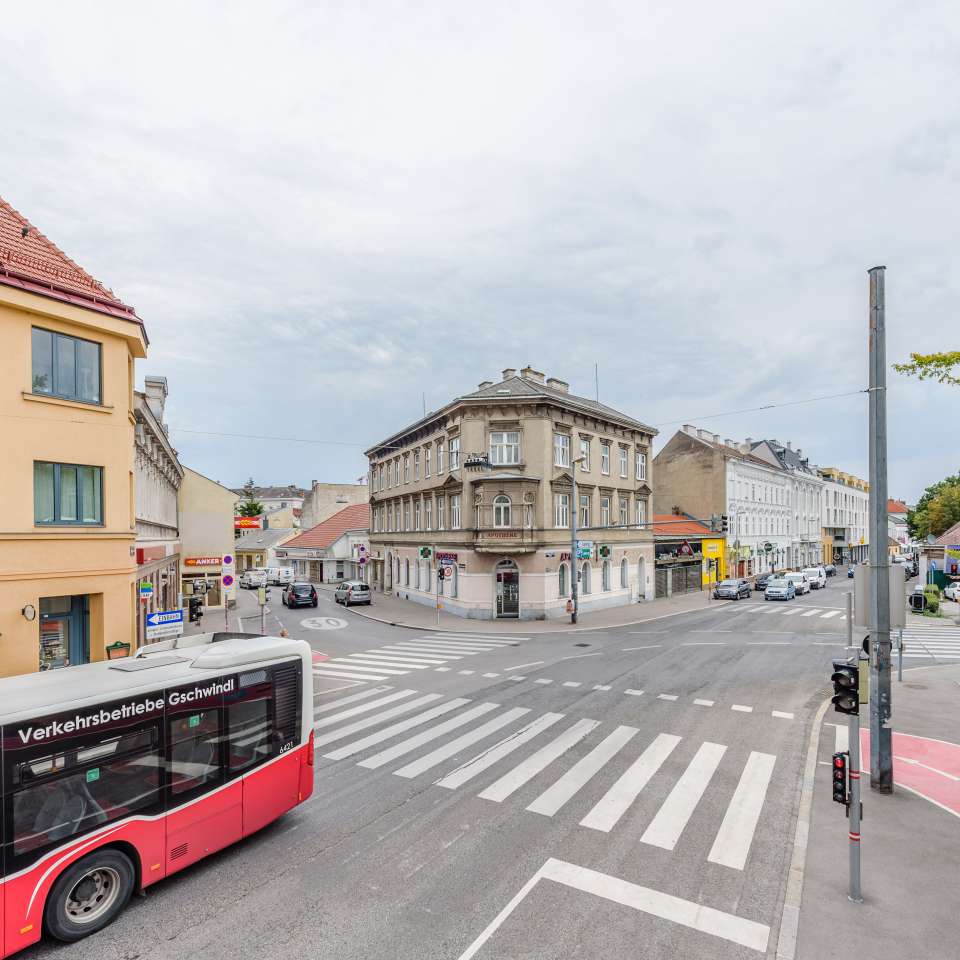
853, 736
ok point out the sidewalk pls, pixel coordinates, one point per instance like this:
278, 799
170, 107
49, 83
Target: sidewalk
909, 843
386, 608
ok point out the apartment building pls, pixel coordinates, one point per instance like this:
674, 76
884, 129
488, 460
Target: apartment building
67, 540
845, 517
484, 486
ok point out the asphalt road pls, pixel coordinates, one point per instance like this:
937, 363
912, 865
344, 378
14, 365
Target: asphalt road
617, 793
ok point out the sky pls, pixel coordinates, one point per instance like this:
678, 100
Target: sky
331, 214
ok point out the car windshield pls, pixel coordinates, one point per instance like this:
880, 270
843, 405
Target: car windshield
794, 577
776, 582
728, 583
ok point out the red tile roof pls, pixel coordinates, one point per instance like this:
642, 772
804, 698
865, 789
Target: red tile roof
37, 264
896, 506
355, 517
668, 525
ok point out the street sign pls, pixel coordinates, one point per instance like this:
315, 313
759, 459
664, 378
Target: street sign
448, 561
228, 580
164, 623
584, 549
262, 596
146, 591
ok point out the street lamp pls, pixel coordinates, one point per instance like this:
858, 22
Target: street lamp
574, 564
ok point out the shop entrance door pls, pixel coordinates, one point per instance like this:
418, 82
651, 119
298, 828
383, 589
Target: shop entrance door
64, 631
508, 589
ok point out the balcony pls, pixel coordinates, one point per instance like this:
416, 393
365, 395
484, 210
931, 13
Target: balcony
505, 540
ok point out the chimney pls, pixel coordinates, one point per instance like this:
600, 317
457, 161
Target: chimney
155, 390
789, 444
704, 434
509, 373
528, 373
559, 385
729, 442
313, 483
749, 442
799, 453
485, 384
689, 429
716, 438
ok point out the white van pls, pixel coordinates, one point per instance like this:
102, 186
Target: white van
280, 576
817, 577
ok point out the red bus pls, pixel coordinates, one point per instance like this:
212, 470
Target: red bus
118, 774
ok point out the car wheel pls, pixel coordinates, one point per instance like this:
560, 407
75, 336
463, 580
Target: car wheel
89, 895
314, 604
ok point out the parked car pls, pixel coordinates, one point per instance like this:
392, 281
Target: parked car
731, 589
299, 595
251, 579
800, 583
952, 591
762, 580
830, 570
280, 576
779, 588
350, 592
817, 577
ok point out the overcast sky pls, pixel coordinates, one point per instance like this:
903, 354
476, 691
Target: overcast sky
324, 212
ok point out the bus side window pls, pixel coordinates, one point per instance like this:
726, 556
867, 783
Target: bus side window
194, 749
250, 721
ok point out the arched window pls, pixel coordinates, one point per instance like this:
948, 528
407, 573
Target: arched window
427, 582
585, 578
562, 578
605, 575
406, 573
624, 573
416, 574
452, 580
501, 511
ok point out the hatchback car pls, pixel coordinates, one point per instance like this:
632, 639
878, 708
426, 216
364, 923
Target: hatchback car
350, 592
762, 580
731, 590
830, 569
780, 589
299, 595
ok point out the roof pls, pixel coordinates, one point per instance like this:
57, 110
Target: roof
263, 539
896, 506
724, 448
949, 537
669, 525
354, 517
788, 457
30, 261
290, 492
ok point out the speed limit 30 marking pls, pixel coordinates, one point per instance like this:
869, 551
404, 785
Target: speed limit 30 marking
323, 623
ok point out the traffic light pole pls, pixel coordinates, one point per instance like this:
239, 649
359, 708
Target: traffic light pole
853, 737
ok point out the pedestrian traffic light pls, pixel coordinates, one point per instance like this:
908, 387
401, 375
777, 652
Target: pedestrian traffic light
840, 778
724, 523
846, 694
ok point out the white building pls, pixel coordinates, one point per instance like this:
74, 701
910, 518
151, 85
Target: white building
845, 517
331, 551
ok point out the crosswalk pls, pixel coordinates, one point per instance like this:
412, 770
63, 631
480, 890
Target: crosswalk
776, 606
414, 734
434, 651
931, 643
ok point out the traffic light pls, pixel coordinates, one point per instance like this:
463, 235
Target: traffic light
846, 682
840, 778
724, 523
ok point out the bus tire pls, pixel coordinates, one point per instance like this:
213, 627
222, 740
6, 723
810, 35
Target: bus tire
89, 895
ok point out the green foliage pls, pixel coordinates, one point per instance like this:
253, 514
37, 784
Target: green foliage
251, 506
937, 510
932, 366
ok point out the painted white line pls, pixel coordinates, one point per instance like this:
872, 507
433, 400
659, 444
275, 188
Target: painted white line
572, 683
665, 828
490, 676
346, 685
453, 644
466, 673
705, 643
363, 708
578, 656
829, 614
366, 722
759, 609
422, 764
727, 926
667, 696
620, 796
655, 646
411, 646
348, 750
400, 657
359, 668
782, 714
360, 661
740, 708
479, 637
633, 693
790, 613
704, 703
811, 613
432, 654
767, 643
363, 695
499, 790
398, 750
521, 666
516, 677
601, 686
543, 680
478, 764
343, 675
820, 643
554, 797
442, 669
732, 844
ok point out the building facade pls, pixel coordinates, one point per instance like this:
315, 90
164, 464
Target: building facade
689, 555
275, 498
326, 499
845, 517
484, 486
334, 550
67, 554
258, 548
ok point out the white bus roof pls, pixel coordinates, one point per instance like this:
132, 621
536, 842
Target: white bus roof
156, 666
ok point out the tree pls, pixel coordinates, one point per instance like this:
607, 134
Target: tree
937, 510
932, 366
250, 506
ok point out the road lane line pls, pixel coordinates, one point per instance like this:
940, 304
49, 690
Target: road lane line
617, 800
534, 764
572, 683
741, 708
654, 646
601, 686
704, 703
366, 722
481, 762
578, 656
732, 844
363, 708
363, 695
466, 673
674, 813
520, 666
490, 676
543, 680
634, 693
667, 696
782, 714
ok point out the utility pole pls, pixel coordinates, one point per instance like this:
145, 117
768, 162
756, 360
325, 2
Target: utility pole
881, 757
574, 559
853, 742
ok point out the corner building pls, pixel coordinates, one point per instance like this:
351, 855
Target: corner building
484, 485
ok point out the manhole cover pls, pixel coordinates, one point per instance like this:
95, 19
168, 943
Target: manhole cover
583, 644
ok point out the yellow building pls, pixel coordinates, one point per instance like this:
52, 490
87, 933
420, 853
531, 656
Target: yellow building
67, 430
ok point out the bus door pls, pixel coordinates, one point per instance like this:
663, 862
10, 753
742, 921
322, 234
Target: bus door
204, 810
264, 737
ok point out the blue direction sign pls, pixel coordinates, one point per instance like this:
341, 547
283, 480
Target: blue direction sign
165, 618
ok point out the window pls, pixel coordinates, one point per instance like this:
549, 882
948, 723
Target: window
381, 476
416, 574
65, 366
585, 578
455, 511
604, 511
426, 461
440, 449
505, 447
623, 461
416, 465
605, 458
641, 466
624, 508
396, 472
584, 520
585, 453
373, 480
406, 573
641, 511
624, 573
416, 514
406, 515
605, 575
561, 450
455, 453
67, 493
406, 468
561, 510
562, 585
440, 510
194, 739
427, 511
501, 511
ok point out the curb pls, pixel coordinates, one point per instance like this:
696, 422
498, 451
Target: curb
790, 915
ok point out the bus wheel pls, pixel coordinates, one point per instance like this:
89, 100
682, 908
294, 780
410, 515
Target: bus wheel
89, 895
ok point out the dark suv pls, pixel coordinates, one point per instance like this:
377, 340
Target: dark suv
299, 595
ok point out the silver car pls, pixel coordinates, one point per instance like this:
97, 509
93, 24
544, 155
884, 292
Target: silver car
350, 592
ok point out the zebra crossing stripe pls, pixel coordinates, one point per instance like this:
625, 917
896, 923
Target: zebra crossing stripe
529, 768
733, 840
362, 661
422, 652
554, 797
372, 739
423, 764
344, 675
617, 800
366, 722
450, 645
812, 613
480, 638
400, 658
665, 828
416, 657
830, 613
359, 667
363, 695
363, 708
479, 763
398, 750
790, 613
